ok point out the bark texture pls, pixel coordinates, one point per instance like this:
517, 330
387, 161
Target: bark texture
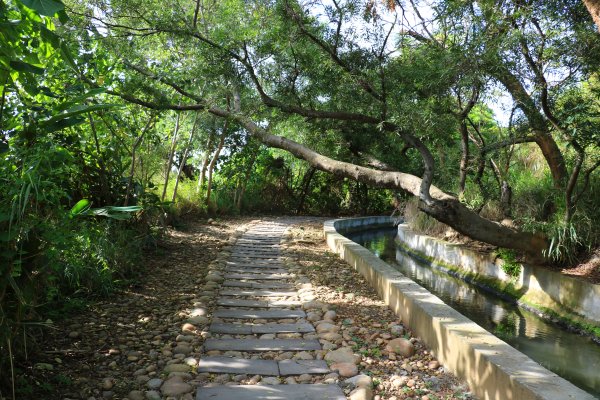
593, 7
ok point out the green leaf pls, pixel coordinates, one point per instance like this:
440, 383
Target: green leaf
120, 213
81, 207
77, 100
79, 110
25, 67
45, 7
67, 56
62, 124
50, 37
63, 17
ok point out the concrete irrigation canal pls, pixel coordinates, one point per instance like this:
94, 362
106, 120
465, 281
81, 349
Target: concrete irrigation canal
502, 350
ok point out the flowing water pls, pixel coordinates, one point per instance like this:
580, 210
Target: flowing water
572, 356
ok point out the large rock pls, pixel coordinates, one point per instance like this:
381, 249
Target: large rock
330, 336
342, 355
359, 381
324, 327
198, 320
401, 346
175, 387
346, 370
362, 393
177, 368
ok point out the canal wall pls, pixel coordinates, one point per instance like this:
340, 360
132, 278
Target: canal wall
493, 369
541, 290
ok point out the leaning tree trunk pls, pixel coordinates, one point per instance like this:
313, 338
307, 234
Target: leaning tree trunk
184, 158
441, 206
171, 155
213, 162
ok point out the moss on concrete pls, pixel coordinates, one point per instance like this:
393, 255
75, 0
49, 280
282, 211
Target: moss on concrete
508, 291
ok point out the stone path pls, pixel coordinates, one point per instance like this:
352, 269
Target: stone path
259, 332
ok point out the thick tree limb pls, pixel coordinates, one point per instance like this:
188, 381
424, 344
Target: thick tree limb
443, 207
593, 7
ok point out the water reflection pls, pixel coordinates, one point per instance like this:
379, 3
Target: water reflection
574, 357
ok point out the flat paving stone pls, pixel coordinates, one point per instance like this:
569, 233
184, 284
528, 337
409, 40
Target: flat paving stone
258, 293
259, 314
250, 245
258, 285
257, 264
257, 277
224, 301
271, 392
299, 367
261, 344
244, 329
283, 328
227, 365
251, 269
232, 329
285, 303
257, 251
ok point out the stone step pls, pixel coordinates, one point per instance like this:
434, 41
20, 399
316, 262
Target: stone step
242, 303
246, 329
299, 367
257, 264
259, 314
258, 293
258, 285
256, 252
255, 246
229, 365
259, 269
254, 257
301, 327
261, 344
229, 302
271, 392
258, 277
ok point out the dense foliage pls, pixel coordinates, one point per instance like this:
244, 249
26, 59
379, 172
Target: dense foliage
118, 117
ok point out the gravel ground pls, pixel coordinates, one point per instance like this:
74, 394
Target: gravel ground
144, 343
125, 342
369, 327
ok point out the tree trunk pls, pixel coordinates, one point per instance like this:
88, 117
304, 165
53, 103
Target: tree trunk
539, 125
464, 158
307, 179
238, 203
213, 162
171, 155
205, 160
104, 186
441, 206
184, 158
136, 144
593, 7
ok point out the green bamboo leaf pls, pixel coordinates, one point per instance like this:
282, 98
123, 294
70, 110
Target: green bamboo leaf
76, 101
63, 123
81, 207
79, 110
45, 7
25, 67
